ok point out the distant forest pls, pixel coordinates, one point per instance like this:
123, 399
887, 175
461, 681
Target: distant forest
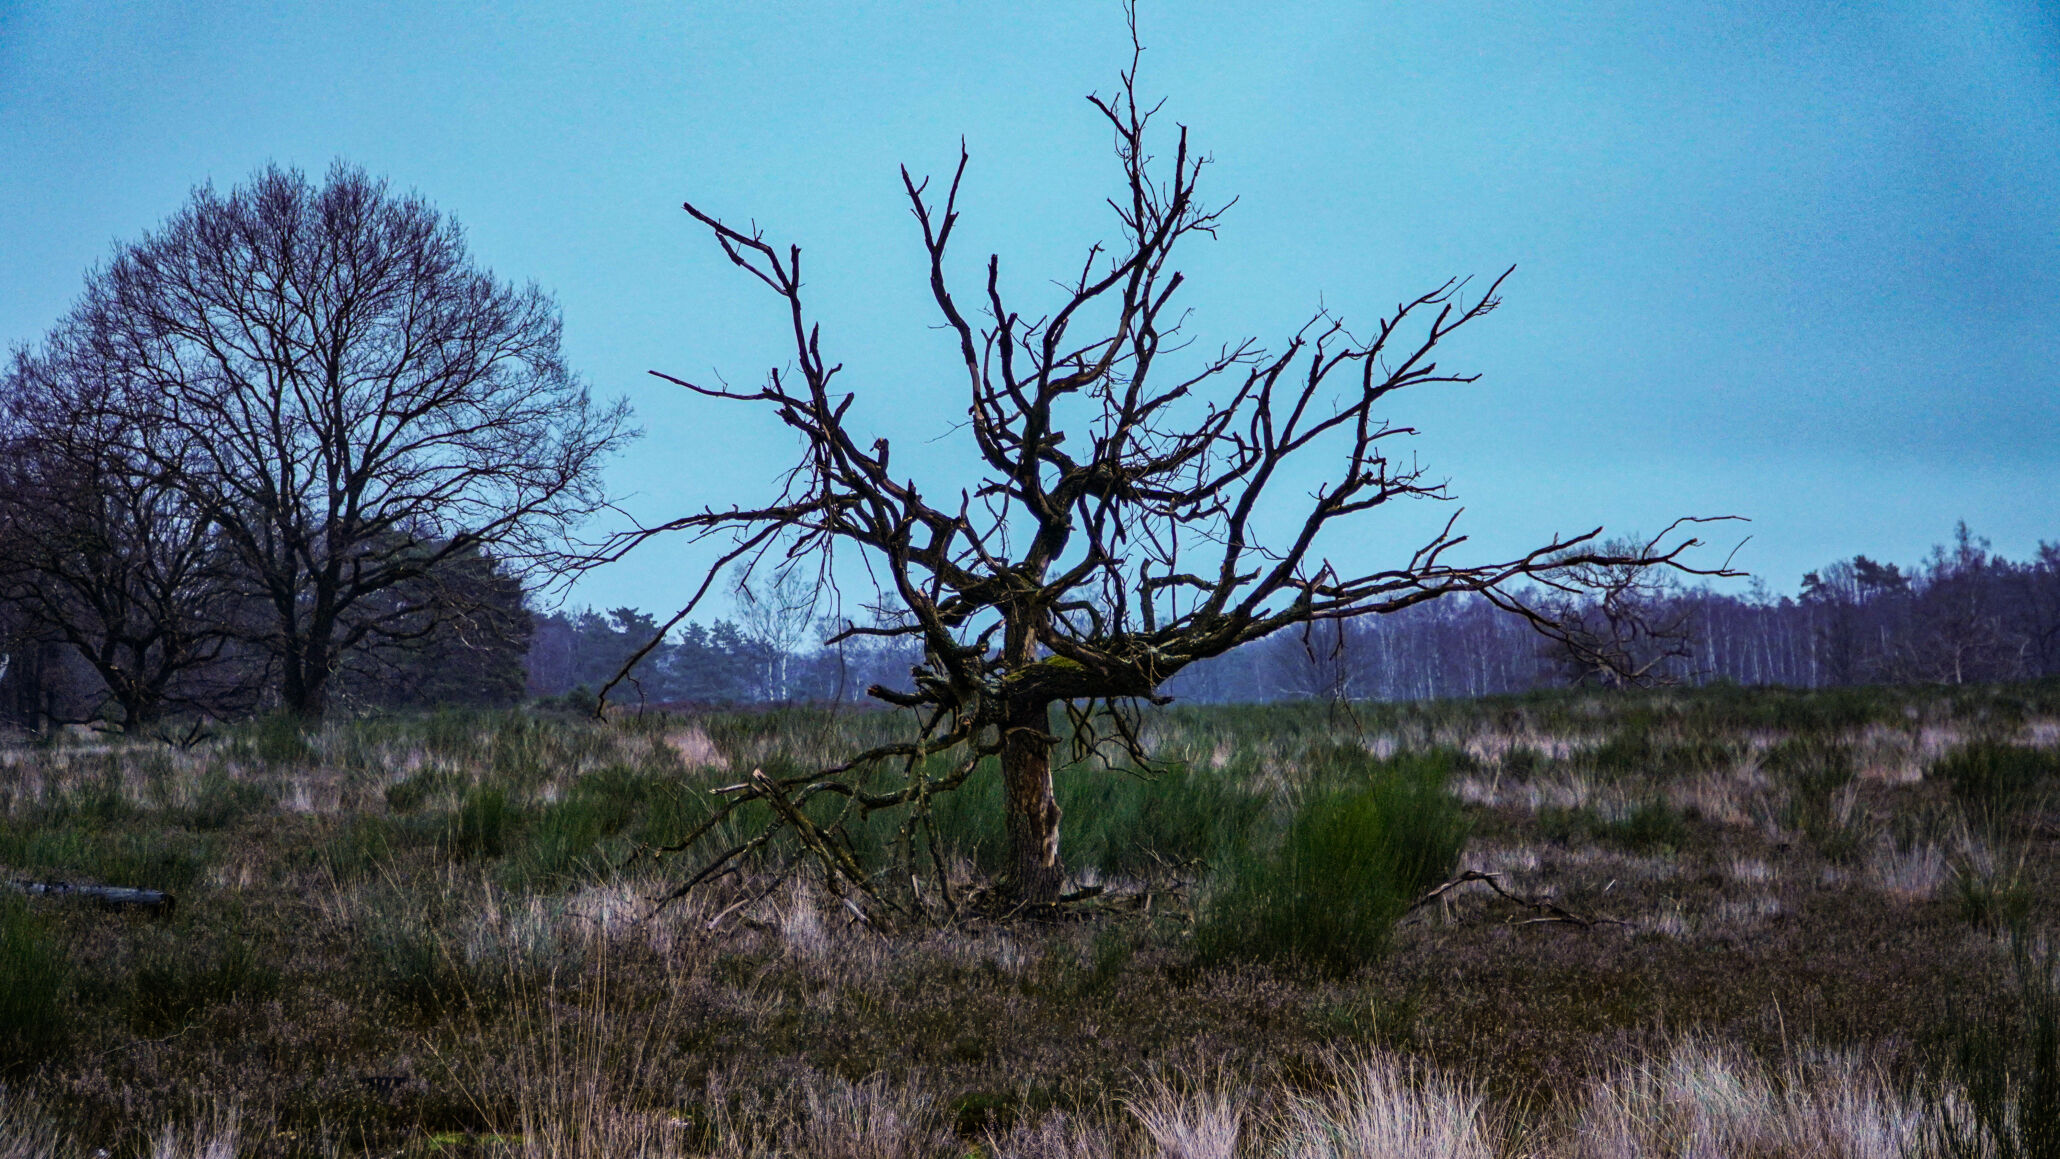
1964, 614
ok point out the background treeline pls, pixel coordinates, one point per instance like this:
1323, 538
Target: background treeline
1962, 615
457, 638
574, 654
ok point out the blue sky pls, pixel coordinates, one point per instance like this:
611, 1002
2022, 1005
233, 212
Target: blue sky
1793, 262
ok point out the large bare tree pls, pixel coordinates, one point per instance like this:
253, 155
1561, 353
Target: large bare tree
346, 398
1142, 507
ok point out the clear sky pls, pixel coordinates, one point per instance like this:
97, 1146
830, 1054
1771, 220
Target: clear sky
1792, 261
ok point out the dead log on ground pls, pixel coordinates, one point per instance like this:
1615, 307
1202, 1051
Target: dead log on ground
115, 896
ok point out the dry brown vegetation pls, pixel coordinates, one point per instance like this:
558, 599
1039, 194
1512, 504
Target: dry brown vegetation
1764, 923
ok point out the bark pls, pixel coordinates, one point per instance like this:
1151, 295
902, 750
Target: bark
1035, 871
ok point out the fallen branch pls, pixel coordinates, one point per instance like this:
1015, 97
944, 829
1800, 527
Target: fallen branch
116, 896
1553, 912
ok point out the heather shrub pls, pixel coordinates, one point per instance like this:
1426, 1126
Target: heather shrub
1328, 888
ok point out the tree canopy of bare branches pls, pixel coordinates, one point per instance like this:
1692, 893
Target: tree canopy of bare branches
1128, 521
342, 397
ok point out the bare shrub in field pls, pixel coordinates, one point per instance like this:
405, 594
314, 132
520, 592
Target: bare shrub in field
509, 977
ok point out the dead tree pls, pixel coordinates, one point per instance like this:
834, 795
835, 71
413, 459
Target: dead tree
1128, 521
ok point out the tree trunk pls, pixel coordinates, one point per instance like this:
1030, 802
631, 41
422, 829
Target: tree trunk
1035, 871
303, 696
139, 711
305, 687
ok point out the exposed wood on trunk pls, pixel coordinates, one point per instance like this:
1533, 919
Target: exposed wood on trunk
1033, 810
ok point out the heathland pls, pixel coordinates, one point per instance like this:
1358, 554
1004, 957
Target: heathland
1708, 922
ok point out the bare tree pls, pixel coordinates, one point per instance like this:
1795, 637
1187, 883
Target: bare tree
346, 399
778, 616
1142, 507
103, 550
1610, 623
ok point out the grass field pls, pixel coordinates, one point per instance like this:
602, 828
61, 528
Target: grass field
1723, 922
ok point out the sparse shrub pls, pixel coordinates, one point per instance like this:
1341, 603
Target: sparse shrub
617, 802
1346, 867
77, 849
1993, 902
356, 847
968, 820
1123, 823
1647, 827
412, 963
1522, 762
1109, 954
1811, 757
419, 788
1628, 751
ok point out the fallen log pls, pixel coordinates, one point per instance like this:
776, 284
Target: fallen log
116, 896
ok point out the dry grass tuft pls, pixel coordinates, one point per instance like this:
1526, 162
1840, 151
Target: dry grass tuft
695, 750
1192, 1120
1379, 1107
1707, 1099
1913, 872
215, 1134
25, 1134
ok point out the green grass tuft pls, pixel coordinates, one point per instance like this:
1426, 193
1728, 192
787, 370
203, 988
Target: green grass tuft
35, 978
1993, 779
